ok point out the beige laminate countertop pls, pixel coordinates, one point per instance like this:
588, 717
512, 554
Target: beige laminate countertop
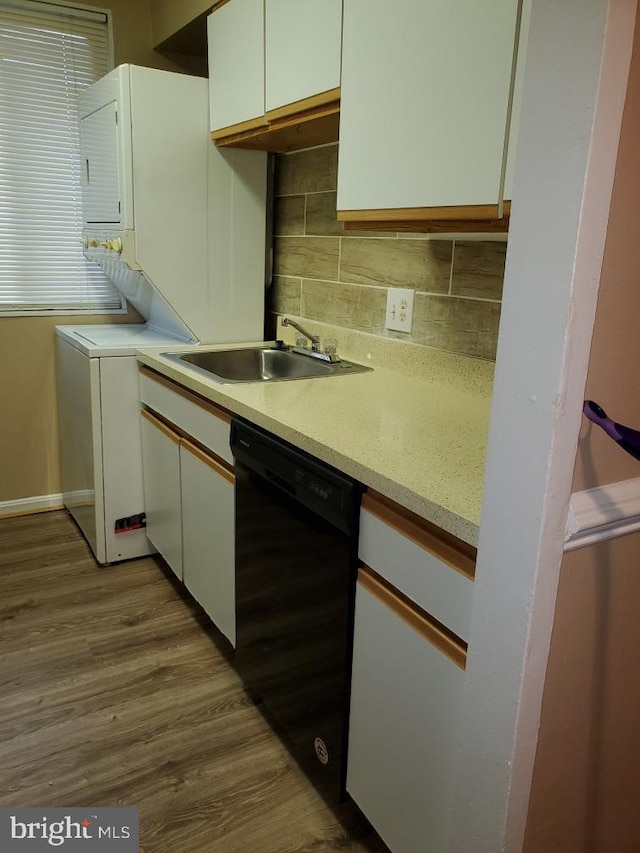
421, 441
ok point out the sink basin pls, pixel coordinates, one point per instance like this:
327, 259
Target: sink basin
261, 364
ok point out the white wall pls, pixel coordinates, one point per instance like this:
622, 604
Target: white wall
564, 176
586, 778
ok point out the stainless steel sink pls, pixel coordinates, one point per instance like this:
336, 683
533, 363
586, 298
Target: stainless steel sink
261, 364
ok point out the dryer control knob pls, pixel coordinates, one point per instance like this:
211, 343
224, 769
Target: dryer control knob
116, 245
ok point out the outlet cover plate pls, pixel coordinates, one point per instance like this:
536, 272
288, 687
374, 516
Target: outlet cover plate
399, 316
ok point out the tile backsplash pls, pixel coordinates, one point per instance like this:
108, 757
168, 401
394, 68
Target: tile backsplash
324, 273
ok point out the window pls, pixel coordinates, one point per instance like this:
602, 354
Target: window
48, 54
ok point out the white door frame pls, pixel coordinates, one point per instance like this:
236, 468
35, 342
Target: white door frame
575, 83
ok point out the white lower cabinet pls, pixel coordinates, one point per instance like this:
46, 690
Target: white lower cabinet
190, 506
208, 513
161, 467
406, 694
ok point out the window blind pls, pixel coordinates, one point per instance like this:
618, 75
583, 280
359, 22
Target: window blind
48, 54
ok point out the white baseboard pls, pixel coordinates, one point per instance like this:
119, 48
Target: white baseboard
26, 506
603, 513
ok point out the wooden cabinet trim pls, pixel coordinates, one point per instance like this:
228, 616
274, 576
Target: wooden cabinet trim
252, 126
308, 115
461, 212
433, 631
318, 125
445, 546
331, 96
483, 218
433, 226
211, 460
164, 428
191, 396
217, 6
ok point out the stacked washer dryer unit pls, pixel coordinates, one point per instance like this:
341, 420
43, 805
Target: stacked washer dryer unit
180, 228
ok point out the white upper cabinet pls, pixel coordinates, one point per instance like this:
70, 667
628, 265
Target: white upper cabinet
302, 49
274, 73
235, 34
518, 84
425, 100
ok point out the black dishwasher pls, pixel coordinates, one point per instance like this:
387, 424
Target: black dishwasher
296, 551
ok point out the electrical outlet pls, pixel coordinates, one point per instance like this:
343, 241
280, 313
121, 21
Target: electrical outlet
399, 309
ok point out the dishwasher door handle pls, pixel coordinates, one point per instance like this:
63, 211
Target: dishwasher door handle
280, 482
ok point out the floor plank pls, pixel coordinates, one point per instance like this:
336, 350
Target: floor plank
115, 691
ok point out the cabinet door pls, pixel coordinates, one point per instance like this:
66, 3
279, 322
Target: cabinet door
161, 474
516, 103
235, 35
425, 98
405, 698
100, 167
302, 49
208, 536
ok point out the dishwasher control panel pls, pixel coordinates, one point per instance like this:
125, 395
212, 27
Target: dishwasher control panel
323, 489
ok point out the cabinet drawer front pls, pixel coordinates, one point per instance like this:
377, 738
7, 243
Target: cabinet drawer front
441, 590
405, 701
204, 421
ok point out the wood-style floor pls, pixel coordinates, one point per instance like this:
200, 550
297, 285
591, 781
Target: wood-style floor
115, 691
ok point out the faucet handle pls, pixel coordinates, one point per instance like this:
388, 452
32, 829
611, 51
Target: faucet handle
330, 346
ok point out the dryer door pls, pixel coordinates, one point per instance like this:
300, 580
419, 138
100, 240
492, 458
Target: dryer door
101, 202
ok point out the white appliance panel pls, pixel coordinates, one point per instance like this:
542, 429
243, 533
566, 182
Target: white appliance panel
137, 289
81, 442
109, 96
100, 445
170, 145
114, 340
191, 255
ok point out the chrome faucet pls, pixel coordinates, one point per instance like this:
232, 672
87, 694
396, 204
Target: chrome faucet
329, 353
314, 339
